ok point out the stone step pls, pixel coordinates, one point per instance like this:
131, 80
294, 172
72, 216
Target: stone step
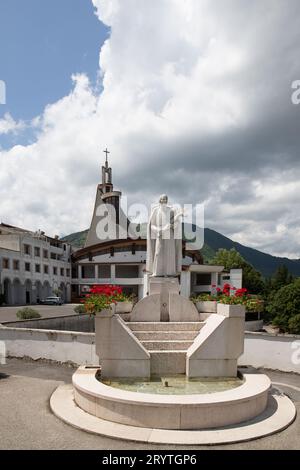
165, 326
168, 362
167, 345
166, 335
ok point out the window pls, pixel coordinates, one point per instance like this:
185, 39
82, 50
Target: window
68, 272
88, 271
27, 267
5, 263
16, 265
127, 271
55, 271
46, 269
53, 255
27, 249
37, 268
104, 271
75, 272
203, 279
37, 251
62, 271
46, 254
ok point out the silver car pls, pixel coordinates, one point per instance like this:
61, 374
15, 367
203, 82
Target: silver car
52, 301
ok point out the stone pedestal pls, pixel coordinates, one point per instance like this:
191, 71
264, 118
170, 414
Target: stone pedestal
164, 287
164, 303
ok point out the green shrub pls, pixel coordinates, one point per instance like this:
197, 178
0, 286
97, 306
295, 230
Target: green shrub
203, 298
79, 309
294, 324
284, 308
27, 314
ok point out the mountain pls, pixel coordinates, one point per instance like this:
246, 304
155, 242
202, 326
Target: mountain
263, 262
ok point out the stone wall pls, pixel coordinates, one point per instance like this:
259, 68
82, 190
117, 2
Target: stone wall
81, 323
280, 352
261, 349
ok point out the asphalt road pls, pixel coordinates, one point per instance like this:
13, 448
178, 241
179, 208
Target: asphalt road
26, 421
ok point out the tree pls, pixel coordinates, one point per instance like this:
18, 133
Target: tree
232, 259
281, 278
284, 308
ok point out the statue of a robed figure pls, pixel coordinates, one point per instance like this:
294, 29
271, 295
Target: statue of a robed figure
163, 302
164, 240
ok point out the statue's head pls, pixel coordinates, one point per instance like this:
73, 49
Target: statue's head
163, 199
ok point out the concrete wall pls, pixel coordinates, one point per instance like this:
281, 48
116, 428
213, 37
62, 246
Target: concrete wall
261, 350
272, 352
60, 346
81, 323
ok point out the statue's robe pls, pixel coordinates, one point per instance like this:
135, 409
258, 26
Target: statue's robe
164, 253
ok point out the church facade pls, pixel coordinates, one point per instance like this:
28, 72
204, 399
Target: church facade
122, 261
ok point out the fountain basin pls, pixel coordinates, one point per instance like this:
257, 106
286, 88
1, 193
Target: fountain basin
173, 412
178, 384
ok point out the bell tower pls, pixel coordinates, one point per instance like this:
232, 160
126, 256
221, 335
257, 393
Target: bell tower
106, 186
105, 196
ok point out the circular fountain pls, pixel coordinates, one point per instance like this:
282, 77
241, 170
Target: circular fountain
184, 404
187, 412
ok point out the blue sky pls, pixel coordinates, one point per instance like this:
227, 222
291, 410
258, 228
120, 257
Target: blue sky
42, 43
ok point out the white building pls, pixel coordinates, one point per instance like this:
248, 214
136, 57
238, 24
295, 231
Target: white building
33, 266
123, 261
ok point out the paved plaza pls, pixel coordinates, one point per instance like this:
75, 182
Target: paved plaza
28, 423
46, 311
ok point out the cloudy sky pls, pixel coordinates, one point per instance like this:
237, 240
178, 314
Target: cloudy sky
192, 97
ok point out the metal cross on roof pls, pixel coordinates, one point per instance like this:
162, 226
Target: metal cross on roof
107, 153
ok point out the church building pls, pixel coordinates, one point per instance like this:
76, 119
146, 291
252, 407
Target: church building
121, 260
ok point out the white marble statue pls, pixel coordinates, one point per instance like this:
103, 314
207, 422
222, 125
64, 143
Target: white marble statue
164, 240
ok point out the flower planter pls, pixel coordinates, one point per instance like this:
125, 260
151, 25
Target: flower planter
231, 310
107, 313
207, 306
124, 307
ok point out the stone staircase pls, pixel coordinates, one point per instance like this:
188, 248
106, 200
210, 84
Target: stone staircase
167, 343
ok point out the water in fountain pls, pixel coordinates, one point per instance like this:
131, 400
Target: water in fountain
174, 385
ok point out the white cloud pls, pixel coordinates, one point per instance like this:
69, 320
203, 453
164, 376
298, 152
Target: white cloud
196, 102
9, 125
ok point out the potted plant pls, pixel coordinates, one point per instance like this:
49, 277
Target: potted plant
205, 303
107, 300
232, 305
254, 308
100, 300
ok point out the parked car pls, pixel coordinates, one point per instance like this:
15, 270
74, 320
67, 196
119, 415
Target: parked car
52, 301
